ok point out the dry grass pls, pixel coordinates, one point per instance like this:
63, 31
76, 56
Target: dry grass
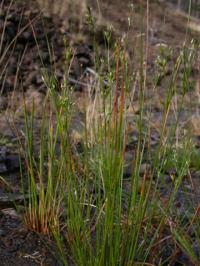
75, 8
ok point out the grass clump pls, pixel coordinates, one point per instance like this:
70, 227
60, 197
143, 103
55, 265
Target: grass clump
98, 215
47, 173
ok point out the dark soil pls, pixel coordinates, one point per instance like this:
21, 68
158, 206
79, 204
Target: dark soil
27, 55
20, 246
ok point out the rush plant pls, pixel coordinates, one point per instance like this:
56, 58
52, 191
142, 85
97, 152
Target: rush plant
83, 198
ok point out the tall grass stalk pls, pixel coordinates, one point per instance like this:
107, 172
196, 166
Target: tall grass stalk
47, 173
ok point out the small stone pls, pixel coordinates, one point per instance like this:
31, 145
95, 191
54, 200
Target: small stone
10, 211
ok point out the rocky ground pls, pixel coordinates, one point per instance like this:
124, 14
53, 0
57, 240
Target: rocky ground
24, 56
